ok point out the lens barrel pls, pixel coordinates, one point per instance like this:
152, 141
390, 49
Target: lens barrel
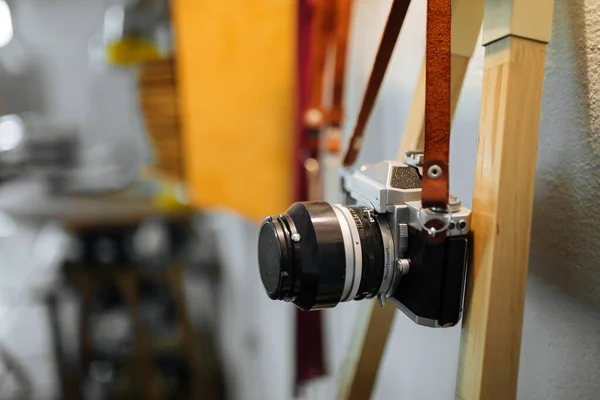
316, 255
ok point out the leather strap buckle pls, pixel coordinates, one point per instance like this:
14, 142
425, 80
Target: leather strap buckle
427, 215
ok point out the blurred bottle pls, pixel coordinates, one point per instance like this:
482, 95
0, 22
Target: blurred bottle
137, 32
12, 54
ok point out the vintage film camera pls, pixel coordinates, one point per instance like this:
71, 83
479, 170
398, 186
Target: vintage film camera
317, 254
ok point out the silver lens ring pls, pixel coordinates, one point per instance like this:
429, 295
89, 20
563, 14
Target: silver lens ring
387, 282
353, 252
348, 252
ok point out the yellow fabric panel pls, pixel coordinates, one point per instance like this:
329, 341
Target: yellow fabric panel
236, 82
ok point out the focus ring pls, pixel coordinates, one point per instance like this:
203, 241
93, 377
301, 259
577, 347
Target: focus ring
372, 254
355, 266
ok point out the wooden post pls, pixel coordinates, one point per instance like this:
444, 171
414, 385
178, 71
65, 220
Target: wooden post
515, 34
374, 323
369, 336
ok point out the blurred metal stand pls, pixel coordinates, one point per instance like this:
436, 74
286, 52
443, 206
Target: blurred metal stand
135, 337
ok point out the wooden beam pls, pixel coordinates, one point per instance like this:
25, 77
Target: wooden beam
501, 220
374, 323
466, 24
369, 338
414, 130
515, 33
413, 136
529, 19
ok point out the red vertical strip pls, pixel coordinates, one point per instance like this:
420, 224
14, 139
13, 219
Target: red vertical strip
309, 334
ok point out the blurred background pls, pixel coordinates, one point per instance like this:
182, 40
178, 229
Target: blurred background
143, 141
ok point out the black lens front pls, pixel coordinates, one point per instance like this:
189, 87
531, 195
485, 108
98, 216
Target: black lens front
306, 254
301, 256
275, 257
270, 255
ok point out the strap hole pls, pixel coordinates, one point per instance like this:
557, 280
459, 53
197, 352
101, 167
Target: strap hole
434, 172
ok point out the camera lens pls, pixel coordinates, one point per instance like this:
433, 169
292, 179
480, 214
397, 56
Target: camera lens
316, 255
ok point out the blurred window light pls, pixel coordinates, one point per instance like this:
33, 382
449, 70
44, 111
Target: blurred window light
6, 27
11, 132
114, 19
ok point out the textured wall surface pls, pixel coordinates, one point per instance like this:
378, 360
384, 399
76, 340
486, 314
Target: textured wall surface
561, 335
568, 181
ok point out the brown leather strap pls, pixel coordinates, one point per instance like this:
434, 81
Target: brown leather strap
320, 39
342, 27
437, 104
382, 59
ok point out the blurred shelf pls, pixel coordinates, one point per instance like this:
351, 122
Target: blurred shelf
31, 200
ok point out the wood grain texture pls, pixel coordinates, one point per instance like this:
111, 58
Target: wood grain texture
158, 102
501, 220
235, 74
414, 130
528, 19
369, 338
467, 16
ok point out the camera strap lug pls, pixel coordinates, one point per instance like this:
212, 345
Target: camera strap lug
413, 158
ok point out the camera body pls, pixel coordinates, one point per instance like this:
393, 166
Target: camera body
427, 279
316, 254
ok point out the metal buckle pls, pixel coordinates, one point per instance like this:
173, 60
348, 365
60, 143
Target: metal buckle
413, 158
426, 214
